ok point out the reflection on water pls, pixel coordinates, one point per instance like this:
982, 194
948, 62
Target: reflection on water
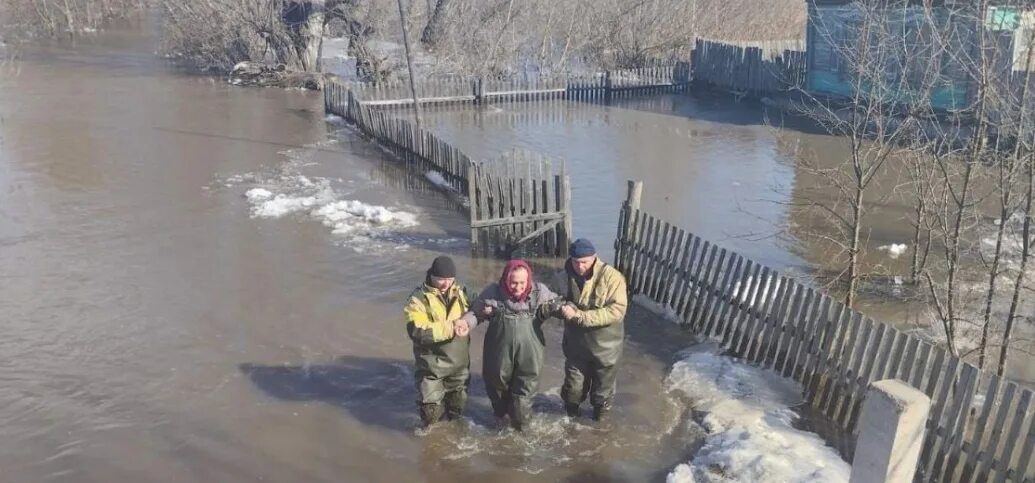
714, 178
731, 173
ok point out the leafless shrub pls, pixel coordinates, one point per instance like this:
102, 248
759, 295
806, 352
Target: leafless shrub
63, 17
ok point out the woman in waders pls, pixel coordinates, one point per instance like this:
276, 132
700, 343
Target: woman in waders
515, 307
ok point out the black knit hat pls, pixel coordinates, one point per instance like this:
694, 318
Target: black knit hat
581, 248
442, 267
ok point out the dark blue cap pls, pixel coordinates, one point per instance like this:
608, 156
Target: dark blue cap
581, 248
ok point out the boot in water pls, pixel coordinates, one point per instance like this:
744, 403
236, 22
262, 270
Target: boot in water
430, 413
573, 410
456, 402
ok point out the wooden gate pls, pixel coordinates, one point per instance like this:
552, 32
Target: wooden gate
519, 204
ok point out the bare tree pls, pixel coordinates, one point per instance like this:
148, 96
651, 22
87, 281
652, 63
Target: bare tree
305, 22
886, 86
64, 17
435, 27
219, 34
922, 190
1022, 156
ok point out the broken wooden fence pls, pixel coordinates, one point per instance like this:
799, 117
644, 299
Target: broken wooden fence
750, 68
519, 201
516, 203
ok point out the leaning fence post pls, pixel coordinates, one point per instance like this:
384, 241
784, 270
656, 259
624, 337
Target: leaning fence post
472, 202
891, 433
479, 90
632, 204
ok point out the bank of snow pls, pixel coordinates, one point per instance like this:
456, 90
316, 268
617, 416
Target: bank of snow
746, 412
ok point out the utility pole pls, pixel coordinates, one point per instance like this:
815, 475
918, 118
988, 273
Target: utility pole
409, 65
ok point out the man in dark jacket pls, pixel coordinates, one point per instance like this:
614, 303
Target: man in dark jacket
594, 330
441, 356
514, 343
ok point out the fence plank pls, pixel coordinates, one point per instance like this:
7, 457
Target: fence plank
1006, 458
724, 315
707, 289
786, 326
801, 370
867, 345
791, 329
963, 396
935, 440
978, 437
633, 249
690, 243
650, 242
815, 362
654, 243
741, 291
1025, 461
713, 316
848, 370
664, 268
673, 273
661, 260
908, 360
838, 329
991, 453
744, 302
773, 295
793, 365
707, 258
773, 330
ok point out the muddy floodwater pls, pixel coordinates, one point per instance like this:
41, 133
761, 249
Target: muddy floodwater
732, 173
164, 320
200, 282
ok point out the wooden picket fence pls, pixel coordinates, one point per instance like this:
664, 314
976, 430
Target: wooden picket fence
520, 201
749, 68
832, 351
602, 85
515, 203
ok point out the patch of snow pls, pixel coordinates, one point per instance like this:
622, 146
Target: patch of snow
287, 192
894, 250
748, 418
255, 195
281, 205
437, 179
664, 311
349, 215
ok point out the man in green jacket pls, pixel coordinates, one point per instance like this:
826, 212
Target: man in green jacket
441, 354
594, 330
